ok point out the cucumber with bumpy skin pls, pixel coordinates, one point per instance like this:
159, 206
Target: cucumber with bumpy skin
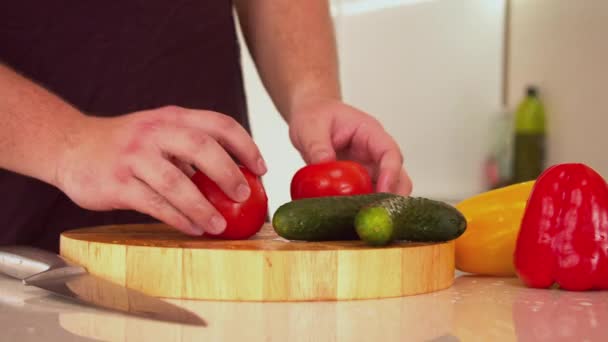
408, 218
322, 218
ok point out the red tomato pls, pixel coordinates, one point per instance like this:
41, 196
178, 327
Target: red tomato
335, 178
243, 219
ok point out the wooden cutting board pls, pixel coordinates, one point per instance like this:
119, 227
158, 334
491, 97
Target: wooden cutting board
162, 262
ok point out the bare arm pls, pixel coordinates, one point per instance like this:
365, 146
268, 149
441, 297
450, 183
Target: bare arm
293, 46
127, 162
35, 127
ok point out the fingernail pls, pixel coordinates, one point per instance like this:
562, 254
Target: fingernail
243, 192
218, 224
262, 165
197, 230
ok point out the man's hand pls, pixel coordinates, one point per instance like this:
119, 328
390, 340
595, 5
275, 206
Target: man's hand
293, 46
141, 161
329, 129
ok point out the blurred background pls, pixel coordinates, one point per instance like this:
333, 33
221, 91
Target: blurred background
448, 79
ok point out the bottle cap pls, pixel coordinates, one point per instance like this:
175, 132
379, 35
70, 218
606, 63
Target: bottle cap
532, 91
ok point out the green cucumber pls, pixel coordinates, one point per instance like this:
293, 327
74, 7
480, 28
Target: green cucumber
408, 218
322, 218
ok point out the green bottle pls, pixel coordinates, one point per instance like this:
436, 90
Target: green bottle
529, 139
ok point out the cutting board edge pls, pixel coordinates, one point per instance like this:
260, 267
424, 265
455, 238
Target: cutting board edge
185, 241
269, 275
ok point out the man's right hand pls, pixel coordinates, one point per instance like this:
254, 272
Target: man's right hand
136, 161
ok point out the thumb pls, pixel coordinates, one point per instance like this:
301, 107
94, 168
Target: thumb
313, 140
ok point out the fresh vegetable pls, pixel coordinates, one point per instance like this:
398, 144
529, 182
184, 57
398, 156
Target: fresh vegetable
334, 178
564, 231
408, 218
243, 219
493, 220
377, 219
322, 218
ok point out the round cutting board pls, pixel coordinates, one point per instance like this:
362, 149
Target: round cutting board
163, 262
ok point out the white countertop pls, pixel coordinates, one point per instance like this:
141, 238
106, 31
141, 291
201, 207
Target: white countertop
473, 309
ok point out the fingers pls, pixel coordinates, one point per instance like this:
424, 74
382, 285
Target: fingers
404, 186
313, 140
140, 197
389, 168
384, 153
186, 168
390, 181
208, 156
230, 135
179, 192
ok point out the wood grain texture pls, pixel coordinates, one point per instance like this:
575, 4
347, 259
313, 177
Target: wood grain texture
162, 262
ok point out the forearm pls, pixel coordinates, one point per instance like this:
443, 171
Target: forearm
293, 46
35, 127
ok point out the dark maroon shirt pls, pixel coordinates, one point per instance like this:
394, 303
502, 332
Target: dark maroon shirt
109, 58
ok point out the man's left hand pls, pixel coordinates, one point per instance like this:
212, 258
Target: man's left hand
328, 129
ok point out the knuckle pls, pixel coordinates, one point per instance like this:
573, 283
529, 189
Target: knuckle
371, 120
376, 122
399, 156
314, 146
132, 146
142, 129
201, 213
199, 210
226, 123
173, 109
156, 203
199, 138
136, 135
398, 152
198, 141
171, 113
169, 180
232, 177
122, 174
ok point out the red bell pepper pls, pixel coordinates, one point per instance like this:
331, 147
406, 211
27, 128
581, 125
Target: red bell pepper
563, 236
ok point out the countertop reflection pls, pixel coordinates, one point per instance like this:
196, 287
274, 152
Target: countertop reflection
473, 309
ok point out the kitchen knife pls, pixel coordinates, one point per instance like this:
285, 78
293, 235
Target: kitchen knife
51, 272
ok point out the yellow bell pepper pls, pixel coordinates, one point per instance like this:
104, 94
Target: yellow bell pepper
493, 221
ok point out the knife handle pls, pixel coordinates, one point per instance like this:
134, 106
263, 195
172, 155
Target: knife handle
22, 262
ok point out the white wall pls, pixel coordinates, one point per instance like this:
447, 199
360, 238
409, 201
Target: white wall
561, 46
429, 70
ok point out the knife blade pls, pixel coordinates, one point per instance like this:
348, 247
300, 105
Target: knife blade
51, 272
